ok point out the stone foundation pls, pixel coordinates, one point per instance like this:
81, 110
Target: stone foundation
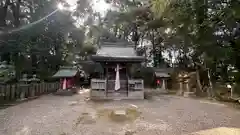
97, 94
189, 94
136, 95
116, 96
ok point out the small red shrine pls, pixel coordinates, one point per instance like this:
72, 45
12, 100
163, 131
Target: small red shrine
162, 75
69, 77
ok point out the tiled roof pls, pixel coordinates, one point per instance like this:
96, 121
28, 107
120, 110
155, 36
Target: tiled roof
116, 51
66, 73
164, 75
163, 70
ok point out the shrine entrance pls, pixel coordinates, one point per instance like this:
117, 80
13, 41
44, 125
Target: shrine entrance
111, 79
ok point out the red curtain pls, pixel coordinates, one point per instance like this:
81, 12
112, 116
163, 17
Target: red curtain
70, 82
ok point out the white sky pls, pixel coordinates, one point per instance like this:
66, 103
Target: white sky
98, 6
101, 6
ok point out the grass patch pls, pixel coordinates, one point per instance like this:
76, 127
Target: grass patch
130, 132
131, 114
85, 118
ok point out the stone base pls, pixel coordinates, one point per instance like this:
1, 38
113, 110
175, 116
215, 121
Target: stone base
189, 94
22, 95
101, 95
180, 93
163, 91
120, 112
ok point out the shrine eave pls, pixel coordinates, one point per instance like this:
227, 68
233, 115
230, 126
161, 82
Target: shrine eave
65, 73
134, 59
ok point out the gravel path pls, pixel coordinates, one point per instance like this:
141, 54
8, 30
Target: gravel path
163, 115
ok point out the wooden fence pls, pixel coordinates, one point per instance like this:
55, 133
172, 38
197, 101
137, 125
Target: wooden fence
16, 92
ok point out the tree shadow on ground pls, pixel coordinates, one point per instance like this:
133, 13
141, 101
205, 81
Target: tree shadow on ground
6, 104
65, 93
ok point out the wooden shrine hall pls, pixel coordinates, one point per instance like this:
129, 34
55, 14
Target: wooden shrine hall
116, 80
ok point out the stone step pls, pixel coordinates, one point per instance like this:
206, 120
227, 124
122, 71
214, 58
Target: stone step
117, 95
116, 91
189, 94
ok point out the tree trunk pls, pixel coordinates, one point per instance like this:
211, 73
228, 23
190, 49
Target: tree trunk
18, 64
198, 81
145, 56
210, 89
153, 48
16, 13
135, 37
3, 13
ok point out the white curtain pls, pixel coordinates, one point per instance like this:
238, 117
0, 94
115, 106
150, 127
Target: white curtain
117, 80
163, 84
64, 84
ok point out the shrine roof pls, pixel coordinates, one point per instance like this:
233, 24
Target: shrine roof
117, 52
162, 75
66, 73
163, 72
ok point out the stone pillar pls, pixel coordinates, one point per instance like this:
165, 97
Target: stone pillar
13, 92
8, 92
180, 80
45, 88
187, 86
41, 88
2, 94
27, 92
18, 91
38, 89
180, 87
55, 86
188, 92
32, 90
22, 92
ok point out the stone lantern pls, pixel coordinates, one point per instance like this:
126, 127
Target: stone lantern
24, 83
188, 91
180, 80
183, 80
33, 81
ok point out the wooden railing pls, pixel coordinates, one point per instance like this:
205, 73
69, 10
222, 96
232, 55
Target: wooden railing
98, 84
131, 85
15, 92
111, 85
104, 89
135, 85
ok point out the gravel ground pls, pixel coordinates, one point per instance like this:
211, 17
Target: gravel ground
73, 115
